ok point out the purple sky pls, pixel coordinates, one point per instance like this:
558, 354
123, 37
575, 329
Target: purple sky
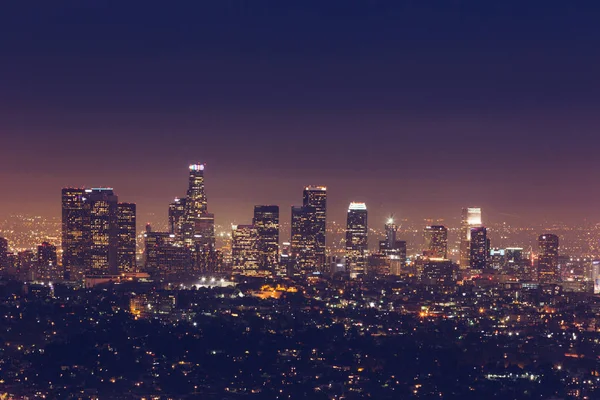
417, 110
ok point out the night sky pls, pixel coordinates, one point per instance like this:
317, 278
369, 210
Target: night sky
418, 108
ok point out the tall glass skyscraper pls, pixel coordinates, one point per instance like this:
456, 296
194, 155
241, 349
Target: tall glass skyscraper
75, 232
104, 229
436, 241
266, 221
127, 237
196, 208
356, 239
303, 244
176, 217
98, 233
479, 248
470, 218
47, 262
548, 258
316, 196
244, 250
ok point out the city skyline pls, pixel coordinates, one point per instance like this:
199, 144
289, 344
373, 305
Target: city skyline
299, 200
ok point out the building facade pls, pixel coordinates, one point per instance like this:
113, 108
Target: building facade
548, 270
316, 197
470, 218
266, 221
244, 249
356, 239
479, 246
436, 241
126, 214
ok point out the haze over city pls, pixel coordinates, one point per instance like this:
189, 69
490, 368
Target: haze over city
414, 108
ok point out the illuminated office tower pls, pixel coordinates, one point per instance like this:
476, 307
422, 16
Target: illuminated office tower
176, 217
479, 246
127, 237
266, 221
164, 256
394, 249
436, 241
47, 262
302, 244
3, 255
195, 203
316, 196
548, 258
75, 232
471, 218
104, 231
285, 261
356, 239
390, 234
244, 249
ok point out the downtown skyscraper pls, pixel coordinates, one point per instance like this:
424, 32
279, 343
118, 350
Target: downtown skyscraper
245, 250
266, 221
436, 241
303, 257
102, 251
393, 249
316, 196
548, 270
356, 239
93, 240
479, 248
126, 215
198, 223
470, 218
176, 216
75, 231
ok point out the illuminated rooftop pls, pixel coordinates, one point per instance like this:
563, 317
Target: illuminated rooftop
357, 206
197, 167
312, 187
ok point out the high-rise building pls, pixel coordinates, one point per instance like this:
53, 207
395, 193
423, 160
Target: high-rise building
302, 244
285, 259
479, 248
548, 258
195, 228
47, 262
165, 256
126, 214
3, 255
195, 203
356, 239
436, 241
104, 229
244, 249
92, 235
471, 218
75, 232
393, 249
266, 221
316, 196
390, 233
176, 217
